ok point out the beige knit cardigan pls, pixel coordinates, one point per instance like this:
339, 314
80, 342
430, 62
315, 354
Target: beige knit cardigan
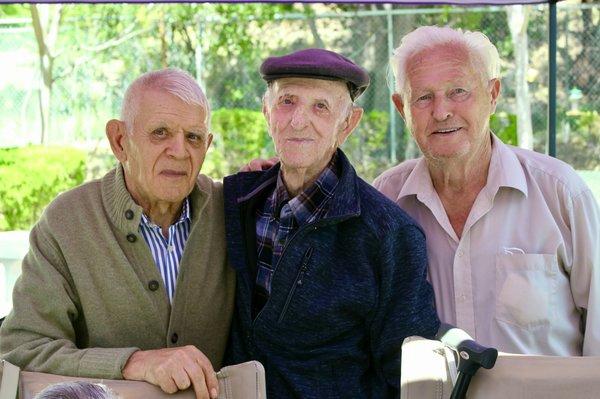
88, 295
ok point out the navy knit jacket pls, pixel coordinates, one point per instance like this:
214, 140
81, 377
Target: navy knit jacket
347, 291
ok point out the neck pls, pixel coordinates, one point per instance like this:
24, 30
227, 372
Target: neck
298, 180
163, 214
458, 183
462, 173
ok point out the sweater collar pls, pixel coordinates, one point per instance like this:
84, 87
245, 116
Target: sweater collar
125, 214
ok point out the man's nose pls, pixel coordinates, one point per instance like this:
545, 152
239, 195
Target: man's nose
442, 109
176, 146
299, 118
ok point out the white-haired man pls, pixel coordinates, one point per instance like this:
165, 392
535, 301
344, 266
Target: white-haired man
126, 275
513, 236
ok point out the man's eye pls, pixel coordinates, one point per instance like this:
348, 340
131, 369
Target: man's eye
287, 101
459, 92
160, 132
424, 98
321, 106
193, 137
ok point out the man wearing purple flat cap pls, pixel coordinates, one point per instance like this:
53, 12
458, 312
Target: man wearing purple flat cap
331, 274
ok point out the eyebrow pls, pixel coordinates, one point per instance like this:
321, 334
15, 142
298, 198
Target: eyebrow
193, 129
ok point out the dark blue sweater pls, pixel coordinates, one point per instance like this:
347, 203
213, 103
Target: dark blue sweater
347, 291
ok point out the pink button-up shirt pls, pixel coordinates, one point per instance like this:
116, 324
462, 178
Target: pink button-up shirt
525, 275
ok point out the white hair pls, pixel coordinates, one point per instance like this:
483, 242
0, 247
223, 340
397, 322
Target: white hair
483, 55
172, 80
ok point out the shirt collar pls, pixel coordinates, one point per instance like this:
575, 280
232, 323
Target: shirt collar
418, 182
185, 215
321, 189
505, 171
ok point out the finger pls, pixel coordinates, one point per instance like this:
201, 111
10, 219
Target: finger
167, 385
256, 165
245, 168
196, 375
181, 379
210, 376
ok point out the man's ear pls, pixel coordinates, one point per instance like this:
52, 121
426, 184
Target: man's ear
116, 133
495, 93
265, 111
399, 104
350, 124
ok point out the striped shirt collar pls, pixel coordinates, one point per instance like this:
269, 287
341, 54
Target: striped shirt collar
185, 215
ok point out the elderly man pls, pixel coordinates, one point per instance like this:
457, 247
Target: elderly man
331, 274
126, 276
513, 236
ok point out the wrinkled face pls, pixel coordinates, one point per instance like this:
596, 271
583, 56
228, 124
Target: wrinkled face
164, 151
308, 119
447, 105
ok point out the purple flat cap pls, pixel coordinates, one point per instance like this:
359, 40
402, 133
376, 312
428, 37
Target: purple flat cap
317, 63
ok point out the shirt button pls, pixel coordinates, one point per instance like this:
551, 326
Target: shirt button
129, 214
174, 338
460, 253
131, 237
153, 285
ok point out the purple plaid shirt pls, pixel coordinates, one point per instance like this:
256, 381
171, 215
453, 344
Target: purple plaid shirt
281, 216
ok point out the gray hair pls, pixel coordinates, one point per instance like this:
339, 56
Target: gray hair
76, 390
483, 55
172, 80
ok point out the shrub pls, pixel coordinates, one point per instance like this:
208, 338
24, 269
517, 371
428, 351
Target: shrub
30, 177
240, 135
368, 147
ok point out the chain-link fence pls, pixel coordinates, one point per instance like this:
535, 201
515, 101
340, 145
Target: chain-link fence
95, 57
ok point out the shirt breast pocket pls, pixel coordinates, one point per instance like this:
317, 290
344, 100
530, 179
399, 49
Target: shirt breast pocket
525, 289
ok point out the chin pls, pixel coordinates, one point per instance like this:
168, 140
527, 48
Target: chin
448, 151
298, 162
174, 195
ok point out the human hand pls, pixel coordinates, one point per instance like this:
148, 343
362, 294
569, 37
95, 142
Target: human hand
256, 165
174, 369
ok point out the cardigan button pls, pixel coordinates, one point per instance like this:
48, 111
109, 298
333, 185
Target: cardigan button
153, 285
174, 338
131, 237
129, 214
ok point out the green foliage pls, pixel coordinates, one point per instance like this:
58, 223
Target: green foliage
240, 135
367, 147
505, 127
30, 177
578, 142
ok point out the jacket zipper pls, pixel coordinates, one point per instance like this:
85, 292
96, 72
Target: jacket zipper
297, 282
312, 226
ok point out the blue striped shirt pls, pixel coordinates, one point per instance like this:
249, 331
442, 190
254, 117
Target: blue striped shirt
167, 252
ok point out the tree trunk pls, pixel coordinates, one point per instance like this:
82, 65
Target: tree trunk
318, 41
45, 19
518, 19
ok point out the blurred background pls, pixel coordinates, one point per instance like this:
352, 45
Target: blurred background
65, 69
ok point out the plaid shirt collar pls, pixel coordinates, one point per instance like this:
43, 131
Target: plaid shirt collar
310, 204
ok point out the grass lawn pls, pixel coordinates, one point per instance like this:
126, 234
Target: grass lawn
592, 178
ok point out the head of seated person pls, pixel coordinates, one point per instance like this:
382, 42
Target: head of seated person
76, 390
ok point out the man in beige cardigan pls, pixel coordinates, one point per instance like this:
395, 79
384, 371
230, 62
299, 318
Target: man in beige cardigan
126, 276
